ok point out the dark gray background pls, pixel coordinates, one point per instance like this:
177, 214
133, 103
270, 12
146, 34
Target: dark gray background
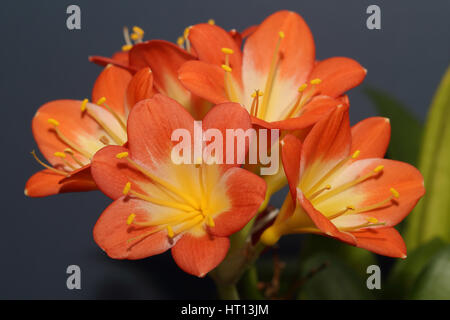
43, 61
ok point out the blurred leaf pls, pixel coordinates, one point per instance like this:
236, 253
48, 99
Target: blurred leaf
431, 217
406, 129
325, 276
357, 258
405, 272
434, 281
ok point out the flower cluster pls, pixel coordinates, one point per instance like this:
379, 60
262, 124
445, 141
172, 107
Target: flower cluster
121, 142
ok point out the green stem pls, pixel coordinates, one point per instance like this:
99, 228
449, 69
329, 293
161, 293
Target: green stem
227, 291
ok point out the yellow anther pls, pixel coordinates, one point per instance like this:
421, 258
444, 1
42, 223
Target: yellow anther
302, 87
127, 188
186, 32
356, 154
315, 81
211, 222
83, 104
138, 30
101, 101
211, 22
130, 218
59, 154
281, 34
127, 47
378, 169
170, 232
372, 220
227, 50
394, 192
135, 36
260, 94
199, 160
122, 155
226, 68
328, 187
180, 41
69, 151
53, 122
351, 207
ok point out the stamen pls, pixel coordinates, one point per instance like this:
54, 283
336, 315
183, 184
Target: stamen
102, 101
62, 155
315, 81
348, 185
55, 124
102, 124
170, 232
70, 152
271, 76
126, 36
127, 188
180, 42
127, 47
340, 213
210, 222
255, 102
158, 202
211, 22
298, 103
47, 166
380, 204
130, 218
315, 194
229, 83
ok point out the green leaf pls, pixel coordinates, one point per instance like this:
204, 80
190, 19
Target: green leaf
431, 217
405, 272
406, 129
326, 277
433, 282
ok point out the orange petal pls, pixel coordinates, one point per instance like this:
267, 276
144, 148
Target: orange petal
229, 116
338, 75
46, 183
198, 256
403, 177
246, 192
325, 146
204, 80
384, 241
114, 235
297, 51
112, 84
208, 41
139, 88
111, 174
371, 137
290, 155
150, 128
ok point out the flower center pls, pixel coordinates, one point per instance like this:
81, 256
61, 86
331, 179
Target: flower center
192, 212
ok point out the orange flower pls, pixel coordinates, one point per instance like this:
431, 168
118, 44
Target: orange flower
70, 132
275, 77
341, 187
161, 205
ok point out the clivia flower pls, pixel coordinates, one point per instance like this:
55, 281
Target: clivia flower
69, 132
275, 76
158, 204
342, 188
